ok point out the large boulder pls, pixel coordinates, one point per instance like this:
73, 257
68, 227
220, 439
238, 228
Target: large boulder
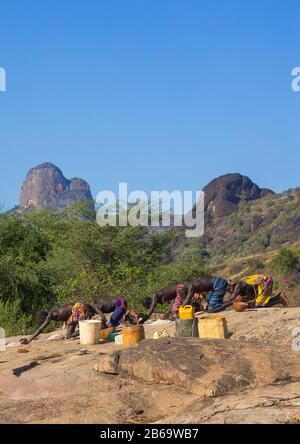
223, 194
46, 187
204, 367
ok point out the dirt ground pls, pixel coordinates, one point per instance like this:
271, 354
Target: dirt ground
65, 388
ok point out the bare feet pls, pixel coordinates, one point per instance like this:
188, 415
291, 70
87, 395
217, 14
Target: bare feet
284, 300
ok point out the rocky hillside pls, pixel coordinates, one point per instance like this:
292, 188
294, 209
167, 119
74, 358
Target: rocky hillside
46, 187
245, 228
258, 226
242, 219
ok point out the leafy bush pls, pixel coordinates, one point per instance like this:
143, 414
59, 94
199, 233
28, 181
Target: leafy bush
12, 318
286, 261
23, 253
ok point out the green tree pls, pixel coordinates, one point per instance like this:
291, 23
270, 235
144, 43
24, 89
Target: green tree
47, 258
286, 261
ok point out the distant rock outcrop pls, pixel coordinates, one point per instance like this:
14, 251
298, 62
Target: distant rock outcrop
46, 187
222, 195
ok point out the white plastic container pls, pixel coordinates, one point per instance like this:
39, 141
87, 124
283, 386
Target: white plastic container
89, 332
119, 339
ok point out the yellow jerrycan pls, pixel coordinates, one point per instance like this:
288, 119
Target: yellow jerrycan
186, 312
214, 327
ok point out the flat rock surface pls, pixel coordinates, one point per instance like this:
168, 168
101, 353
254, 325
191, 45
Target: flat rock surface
267, 404
252, 377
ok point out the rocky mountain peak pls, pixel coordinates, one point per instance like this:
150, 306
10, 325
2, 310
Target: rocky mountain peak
46, 187
223, 194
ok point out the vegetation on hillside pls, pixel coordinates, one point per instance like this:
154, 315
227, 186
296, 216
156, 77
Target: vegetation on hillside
50, 258
257, 227
262, 236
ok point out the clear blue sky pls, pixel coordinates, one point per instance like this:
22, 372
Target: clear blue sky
163, 94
